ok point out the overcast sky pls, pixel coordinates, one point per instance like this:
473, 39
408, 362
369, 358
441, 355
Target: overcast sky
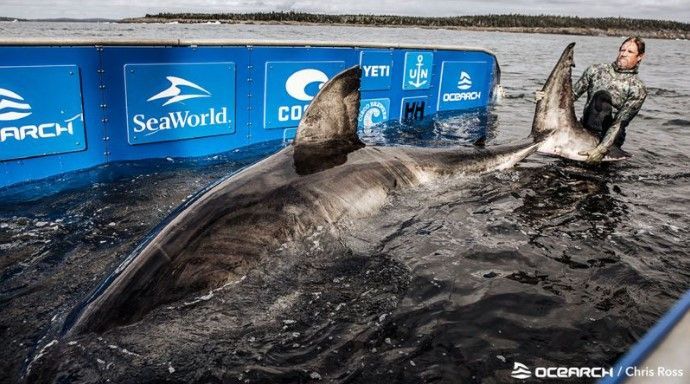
678, 10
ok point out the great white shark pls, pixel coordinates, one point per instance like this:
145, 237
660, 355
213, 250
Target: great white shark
327, 174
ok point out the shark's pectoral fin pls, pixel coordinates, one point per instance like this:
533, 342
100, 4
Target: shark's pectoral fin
328, 130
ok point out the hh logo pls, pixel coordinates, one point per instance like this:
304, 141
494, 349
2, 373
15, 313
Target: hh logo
520, 371
413, 108
290, 87
12, 106
175, 94
418, 70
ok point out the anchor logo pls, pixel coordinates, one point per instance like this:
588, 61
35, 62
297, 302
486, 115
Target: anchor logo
418, 73
418, 68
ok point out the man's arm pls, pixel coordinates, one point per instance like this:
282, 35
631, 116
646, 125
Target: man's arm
625, 114
582, 83
623, 118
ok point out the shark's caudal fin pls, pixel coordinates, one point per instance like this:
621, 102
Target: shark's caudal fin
555, 125
328, 130
556, 109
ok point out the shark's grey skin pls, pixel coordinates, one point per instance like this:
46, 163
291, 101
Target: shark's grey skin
555, 123
325, 176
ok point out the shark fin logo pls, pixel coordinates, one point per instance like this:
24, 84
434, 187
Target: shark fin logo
12, 106
520, 371
465, 82
296, 84
175, 94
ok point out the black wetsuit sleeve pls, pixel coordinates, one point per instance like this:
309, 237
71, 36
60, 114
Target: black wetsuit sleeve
625, 114
631, 107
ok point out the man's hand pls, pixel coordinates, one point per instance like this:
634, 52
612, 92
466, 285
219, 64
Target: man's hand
595, 155
538, 95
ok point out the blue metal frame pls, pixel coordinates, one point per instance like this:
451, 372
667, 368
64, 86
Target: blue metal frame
88, 61
103, 95
650, 341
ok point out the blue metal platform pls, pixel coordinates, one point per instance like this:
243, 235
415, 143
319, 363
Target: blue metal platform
661, 356
71, 105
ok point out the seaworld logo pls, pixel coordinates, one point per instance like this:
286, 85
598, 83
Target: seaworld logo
179, 119
373, 112
13, 107
174, 92
296, 86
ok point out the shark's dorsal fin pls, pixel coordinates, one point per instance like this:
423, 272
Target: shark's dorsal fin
331, 118
328, 130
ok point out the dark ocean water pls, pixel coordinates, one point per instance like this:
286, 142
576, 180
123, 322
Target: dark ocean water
549, 264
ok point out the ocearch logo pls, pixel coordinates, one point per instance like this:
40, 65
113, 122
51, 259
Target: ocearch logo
175, 94
12, 101
296, 84
520, 371
18, 110
465, 82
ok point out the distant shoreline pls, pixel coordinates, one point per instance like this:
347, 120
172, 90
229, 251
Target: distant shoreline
671, 35
608, 26
615, 27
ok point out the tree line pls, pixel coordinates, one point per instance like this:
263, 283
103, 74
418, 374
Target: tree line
484, 21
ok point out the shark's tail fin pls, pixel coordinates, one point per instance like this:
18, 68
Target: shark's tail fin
555, 126
556, 108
